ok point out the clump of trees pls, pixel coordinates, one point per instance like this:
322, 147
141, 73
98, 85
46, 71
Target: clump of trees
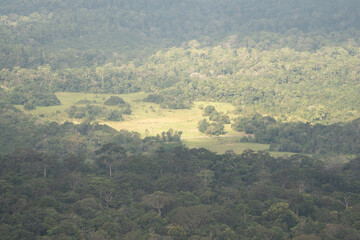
251, 124
29, 106
300, 137
215, 116
114, 101
168, 101
284, 82
36, 97
92, 112
168, 136
119, 102
216, 127
208, 110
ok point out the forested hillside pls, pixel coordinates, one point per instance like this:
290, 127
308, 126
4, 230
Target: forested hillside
86, 32
321, 86
91, 182
296, 61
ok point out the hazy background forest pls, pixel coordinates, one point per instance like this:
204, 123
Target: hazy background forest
102, 103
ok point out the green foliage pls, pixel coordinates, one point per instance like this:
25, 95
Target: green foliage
300, 137
249, 124
22, 96
123, 106
218, 117
215, 115
280, 213
284, 83
29, 85
208, 110
294, 60
29, 106
203, 125
168, 101
114, 115
114, 101
214, 128
158, 200
191, 218
170, 136
67, 34
155, 98
91, 112
177, 232
127, 187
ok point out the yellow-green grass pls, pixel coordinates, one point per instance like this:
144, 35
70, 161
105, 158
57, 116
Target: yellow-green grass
151, 118
223, 144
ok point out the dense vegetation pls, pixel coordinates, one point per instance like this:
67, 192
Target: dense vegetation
91, 182
216, 124
169, 101
292, 60
301, 137
212, 128
123, 106
290, 85
291, 68
216, 116
92, 112
87, 32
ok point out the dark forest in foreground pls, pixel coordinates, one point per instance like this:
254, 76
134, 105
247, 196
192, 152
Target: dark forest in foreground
91, 182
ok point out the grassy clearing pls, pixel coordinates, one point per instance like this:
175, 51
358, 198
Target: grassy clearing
150, 117
223, 144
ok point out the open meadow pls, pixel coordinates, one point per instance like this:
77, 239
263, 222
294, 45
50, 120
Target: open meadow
150, 119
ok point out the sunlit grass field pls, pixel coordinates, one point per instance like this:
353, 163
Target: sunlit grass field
149, 118
223, 144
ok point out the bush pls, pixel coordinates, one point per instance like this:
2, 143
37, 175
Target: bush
118, 101
218, 117
29, 106
208, 110
114, 101
114, 115
169, 101
215, 128
92, 112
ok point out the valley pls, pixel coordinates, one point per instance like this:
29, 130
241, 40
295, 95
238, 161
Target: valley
179, 120
149, 119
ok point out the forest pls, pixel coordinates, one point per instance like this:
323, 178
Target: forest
89, 181
291, 69
301, 137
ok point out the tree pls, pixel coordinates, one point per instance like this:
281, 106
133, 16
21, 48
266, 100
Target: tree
158, 200
281, 214
203, 125
215, 128
177, 232
114, 101
191, 218
110, 153
46, 160
208, 110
